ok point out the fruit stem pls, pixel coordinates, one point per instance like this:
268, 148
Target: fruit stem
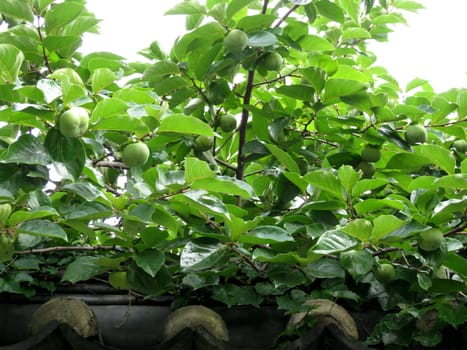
243, 125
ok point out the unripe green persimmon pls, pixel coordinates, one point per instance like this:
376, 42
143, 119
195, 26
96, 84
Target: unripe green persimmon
74, 122
236, 41
415, 134
368, 169
203, 143
385, 273
227, 122
430, 240
460, 146
273, 61
135, 154
371, 154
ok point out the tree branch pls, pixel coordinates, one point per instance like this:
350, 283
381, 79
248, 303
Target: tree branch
283, 18
44, 53
244, 124
107, 164
65, 248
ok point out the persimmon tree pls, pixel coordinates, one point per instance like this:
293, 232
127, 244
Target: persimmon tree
266, 157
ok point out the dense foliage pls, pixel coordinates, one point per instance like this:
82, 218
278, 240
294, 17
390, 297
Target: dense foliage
279, 163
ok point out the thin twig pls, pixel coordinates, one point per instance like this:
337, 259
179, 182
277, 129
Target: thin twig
44, 53
294, 7
108, 164
65, 248
227, 165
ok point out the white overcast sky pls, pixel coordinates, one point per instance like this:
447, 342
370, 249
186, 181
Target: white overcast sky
432, 47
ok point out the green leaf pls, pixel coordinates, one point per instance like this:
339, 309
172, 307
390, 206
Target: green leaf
367, 185
355, 33
16, 9
330, 10
50, 89
407, 162
448, 210
452, 313
299, 92
200, 280
27, 150
415, 83
187, 8
267, 255
61, 14
237, 226
89, 211
85, 267
102, 78
196, 169
122, 122
348, 177
199, 40
150, 261
461, 102
11, 59
404, 232
326, 181
235, 6
69, 152
35, 213
201, 254
342, 87
350, 73
284, 158
324, 268
357, 262
315, 43
86, 190
232, 295
333, 241
456, 181
266, 235
42, 228
374, 204
107, 108
456, 263
200, 200
143, 283
262, 39
359, 228
185, 124
385, 224
224, 184
424, 281
283, 275
352, 8
440, 285
160, 70
256, 22
439, 156
393, 136
64, 45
